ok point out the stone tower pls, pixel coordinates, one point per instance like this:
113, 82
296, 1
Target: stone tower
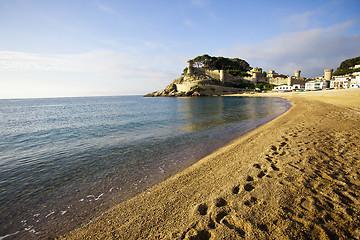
222, 75
328, 74
190, 67
297, 73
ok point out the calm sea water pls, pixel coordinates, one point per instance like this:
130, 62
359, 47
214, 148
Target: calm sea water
64, 161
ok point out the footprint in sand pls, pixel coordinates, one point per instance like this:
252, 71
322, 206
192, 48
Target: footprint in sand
249, 179
274, 148
249, 187
220, 216
263, 227
235, 190
194, 234
285, 138
220, 202
269, 159
251, 202
261, 174
202, 209
231, 226
273, 166
256, 165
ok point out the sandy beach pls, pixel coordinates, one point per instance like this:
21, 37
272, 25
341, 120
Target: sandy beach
296, 177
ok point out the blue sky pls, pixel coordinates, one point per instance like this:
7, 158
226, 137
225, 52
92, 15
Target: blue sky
66, 48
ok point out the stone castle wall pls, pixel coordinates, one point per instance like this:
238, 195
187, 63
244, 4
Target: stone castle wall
279, 81
212, 73
288, 81
218, 75
184, 87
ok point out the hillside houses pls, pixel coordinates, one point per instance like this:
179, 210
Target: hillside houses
319, 83
343, 82
315, 85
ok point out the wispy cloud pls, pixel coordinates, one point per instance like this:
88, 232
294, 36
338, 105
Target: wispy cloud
107, 68
200, 3
301, 20
189, 23
310, 51
204, 5
104, 7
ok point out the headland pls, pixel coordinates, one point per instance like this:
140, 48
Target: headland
213, 76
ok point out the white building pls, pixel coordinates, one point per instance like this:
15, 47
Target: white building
296, 86
355, 82
287, 87
340, 82
314, 85
283, 88
354, 67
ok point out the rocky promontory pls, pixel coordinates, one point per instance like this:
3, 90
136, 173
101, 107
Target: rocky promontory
209, 76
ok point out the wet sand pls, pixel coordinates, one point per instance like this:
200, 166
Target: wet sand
296, 177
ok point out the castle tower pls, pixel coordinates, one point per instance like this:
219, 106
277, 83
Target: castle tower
297, 73
328, 74
222, 76
190, 67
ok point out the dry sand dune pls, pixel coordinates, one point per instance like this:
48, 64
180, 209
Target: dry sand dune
296, 177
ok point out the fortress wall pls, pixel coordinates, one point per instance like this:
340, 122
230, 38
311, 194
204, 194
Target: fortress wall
184, 87
262, 80
249, 79
279, 81
300, 81
216, 74
212, 73
231, 78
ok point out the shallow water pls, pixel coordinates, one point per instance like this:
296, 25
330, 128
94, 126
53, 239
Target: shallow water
64, 161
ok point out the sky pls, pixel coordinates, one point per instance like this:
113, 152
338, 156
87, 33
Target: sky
69, 48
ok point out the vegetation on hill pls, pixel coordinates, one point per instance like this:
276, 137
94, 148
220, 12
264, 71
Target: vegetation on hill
221, 63
346, 66
265, 86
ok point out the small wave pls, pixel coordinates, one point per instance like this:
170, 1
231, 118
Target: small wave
51, 213
9, 235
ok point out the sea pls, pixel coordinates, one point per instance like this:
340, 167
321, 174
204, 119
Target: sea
64, 161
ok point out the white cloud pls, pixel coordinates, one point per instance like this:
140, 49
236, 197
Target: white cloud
301, 20
88, 62
199, 3
102, 63
204, 6
103, 7
310, 51
94, 73
189, 23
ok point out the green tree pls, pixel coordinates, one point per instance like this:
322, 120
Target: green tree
265, 86
345, 66
221, 63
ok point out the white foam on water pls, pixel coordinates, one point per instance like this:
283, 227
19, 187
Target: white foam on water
28, 228
9, 235
51, 213
98, 197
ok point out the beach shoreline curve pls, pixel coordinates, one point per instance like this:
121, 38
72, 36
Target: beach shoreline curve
295, 176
